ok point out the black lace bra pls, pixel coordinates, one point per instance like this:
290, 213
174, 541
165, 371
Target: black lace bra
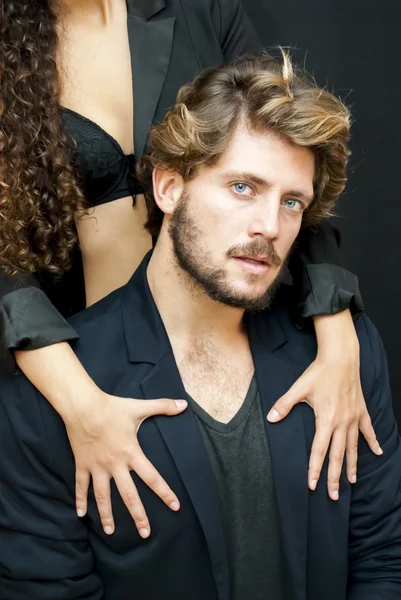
105, 172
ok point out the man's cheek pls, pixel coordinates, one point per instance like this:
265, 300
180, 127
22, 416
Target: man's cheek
219, 225
290, 239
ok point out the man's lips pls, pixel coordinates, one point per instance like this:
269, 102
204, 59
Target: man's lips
255, 258
253, 264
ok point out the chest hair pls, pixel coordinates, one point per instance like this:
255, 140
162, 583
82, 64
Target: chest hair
216, 376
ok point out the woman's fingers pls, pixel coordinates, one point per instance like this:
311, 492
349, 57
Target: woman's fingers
296, 394
82, 480
324, 438
149, 408
366, 428
147, 472
320, 445
352, 452
336, 459
132, 501
129, 493
101, 487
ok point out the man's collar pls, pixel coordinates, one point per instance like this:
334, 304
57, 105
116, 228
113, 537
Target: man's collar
145, 8
146, 336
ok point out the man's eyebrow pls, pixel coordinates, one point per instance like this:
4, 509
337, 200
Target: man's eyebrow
243, 176
255, 179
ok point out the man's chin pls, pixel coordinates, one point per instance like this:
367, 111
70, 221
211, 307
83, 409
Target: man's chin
251, 297
251, 304
235, 298
252, 289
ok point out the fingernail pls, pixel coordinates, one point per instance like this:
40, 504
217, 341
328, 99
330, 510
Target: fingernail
379, 450
108, 529
334, 495
144, 532
180, 403
313, 484
80, 512
174, 506
273, 416
353, 479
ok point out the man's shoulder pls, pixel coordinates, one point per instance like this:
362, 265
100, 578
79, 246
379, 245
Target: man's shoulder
105, 309
283, 312
101, 347
284, 309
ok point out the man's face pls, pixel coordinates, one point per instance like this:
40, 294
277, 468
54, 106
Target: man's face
236, 221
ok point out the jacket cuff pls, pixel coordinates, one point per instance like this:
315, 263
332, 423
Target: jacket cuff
327, 290
28, 321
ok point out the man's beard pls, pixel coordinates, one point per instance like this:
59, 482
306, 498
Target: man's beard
197, 265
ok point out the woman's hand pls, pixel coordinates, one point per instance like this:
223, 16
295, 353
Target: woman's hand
103, 437
102, 430
331, 386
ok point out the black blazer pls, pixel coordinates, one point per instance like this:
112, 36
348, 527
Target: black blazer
330, 550
171, 40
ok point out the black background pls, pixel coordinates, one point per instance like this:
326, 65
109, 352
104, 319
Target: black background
353, 47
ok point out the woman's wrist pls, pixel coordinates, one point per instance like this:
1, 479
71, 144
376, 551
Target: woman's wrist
60, 377
336, 336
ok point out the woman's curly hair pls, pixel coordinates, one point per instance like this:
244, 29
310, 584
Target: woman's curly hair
38, 189
268, 94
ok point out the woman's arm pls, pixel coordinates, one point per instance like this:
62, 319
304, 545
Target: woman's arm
321, 284
28, 320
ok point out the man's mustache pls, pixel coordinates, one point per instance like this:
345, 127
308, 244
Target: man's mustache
259, 247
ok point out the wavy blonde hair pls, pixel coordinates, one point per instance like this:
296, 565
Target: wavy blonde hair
269, 94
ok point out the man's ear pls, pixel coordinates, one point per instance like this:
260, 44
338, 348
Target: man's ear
167, 189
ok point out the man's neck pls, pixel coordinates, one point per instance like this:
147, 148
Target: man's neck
187, 312
208, 339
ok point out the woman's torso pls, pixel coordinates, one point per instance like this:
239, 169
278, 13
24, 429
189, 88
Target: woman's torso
147, 51
94, 63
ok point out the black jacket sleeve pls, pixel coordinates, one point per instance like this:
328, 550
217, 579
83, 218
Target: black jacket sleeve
375, 516
28, 320
322, 286
44, 549
237, 35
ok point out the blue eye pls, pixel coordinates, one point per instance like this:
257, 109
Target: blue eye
293, 204
240, 188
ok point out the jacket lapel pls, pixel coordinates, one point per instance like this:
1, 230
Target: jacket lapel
147, 342
185, 444
287, 449
150, 45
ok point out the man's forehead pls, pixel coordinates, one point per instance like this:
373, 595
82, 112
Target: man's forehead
249, 144
266, 157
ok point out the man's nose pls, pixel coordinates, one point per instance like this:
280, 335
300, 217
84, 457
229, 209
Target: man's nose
266, 222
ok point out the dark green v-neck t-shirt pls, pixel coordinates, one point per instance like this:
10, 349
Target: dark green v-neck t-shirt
239, 455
